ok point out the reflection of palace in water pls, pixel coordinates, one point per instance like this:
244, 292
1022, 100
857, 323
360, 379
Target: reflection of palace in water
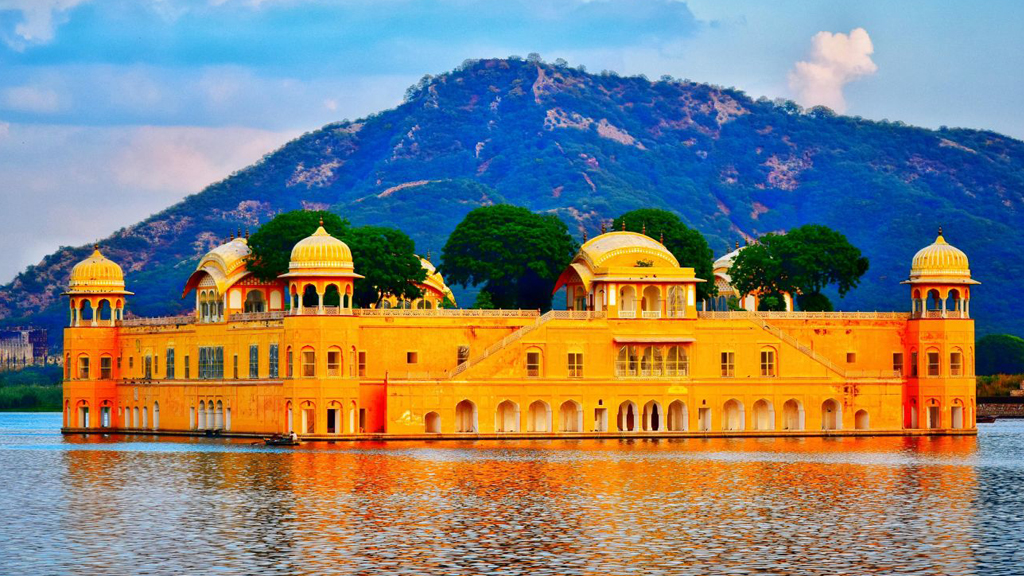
631, 355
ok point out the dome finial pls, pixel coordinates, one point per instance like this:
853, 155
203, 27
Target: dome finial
584, 235
604, 227
96, 246
643, 229
321, 220
231, 236
428, 256
623, 224
661, 238
737, 244
940, 230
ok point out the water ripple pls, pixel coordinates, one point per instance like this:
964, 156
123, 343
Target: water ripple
148, 505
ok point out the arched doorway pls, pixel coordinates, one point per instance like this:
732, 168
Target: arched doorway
732, 416
432, 423
202, 415
156, 415
861, 420
506, 418
626, 420
465, 417
793, 415
764, 415
539, 417
219, 416
831, 415
956, 414
652, 302
652, 421
571, 416
254, 302
677, 417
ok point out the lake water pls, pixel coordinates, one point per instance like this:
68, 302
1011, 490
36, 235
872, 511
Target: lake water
148, 505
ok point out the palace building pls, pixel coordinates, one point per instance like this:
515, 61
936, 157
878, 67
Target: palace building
631, 355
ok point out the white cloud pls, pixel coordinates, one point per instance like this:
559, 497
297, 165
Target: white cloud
31, 99
835, 61
5, 129
39, 20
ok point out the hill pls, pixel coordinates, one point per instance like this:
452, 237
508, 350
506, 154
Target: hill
589, 147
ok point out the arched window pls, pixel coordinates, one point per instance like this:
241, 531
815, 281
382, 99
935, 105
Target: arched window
628, 361
533, 362
652, 363
956, 414
308, 362
956, 362
103, 311
933, 363
156, 415
934, 301
254, 302
768, 362
677, 362
652, 302
202, 415
310, 298
334, 361
627, 302
676, 305
83, 366
86, 313
332, 296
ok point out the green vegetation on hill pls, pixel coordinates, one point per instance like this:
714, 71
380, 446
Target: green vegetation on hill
587, 148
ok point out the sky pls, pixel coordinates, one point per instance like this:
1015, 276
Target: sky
111, 110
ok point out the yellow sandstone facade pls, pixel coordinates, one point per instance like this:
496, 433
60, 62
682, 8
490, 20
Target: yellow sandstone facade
631, 355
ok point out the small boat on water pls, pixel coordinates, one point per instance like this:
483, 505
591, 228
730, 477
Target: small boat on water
986, 419
280, 440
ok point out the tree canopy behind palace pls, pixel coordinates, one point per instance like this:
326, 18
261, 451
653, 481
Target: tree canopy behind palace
514, 253
686, 244
1000, 354
384, 256
802, 262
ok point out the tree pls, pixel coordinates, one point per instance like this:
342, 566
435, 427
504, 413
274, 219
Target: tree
757, 269
686, 244
1000, 354
387, 259
516, 254
272, 243
803, 262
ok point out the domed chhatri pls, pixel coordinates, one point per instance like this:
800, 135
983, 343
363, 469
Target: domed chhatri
629, 275
96, 274
623, 248
940, 262
940, 277
320, 254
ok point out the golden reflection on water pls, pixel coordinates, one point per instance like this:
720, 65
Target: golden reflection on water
688, 506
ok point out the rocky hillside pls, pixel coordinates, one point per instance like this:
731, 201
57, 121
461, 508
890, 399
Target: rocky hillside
589, 147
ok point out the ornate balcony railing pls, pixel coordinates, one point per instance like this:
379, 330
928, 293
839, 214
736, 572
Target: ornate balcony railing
652, 314
446, 313
184, 319
627, 313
